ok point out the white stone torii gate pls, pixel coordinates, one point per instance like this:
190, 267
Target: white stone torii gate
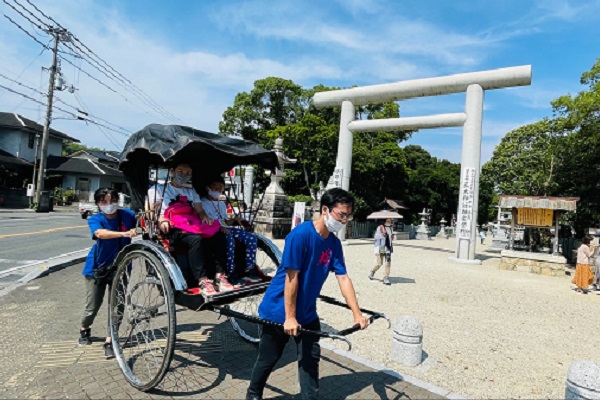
473, 83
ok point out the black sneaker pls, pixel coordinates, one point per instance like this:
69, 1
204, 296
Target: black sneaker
84, 337
108, 350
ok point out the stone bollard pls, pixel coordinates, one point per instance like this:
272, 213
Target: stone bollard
583, 381
407, 342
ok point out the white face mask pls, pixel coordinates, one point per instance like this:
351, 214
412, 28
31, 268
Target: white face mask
180, 179
332, 224
214, 194
109, 209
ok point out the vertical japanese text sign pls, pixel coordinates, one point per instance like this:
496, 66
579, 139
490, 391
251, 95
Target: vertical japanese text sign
338, 174
465, 214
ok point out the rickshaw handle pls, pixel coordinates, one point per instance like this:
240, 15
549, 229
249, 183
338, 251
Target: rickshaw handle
374, 315
227, 311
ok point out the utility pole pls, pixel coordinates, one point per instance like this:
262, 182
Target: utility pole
58, 34
35, 163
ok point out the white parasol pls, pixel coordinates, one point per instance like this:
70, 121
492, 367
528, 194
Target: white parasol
385, 214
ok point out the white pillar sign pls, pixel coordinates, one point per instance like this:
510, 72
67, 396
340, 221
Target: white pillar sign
465, 214
298, 217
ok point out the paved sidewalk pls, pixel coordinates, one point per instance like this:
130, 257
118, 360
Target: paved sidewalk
40, 357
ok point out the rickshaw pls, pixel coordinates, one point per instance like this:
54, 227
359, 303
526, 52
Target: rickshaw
149, 275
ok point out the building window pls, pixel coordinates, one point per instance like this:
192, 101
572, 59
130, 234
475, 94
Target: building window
31, 140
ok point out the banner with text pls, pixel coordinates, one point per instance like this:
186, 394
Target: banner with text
298, 217
465, 213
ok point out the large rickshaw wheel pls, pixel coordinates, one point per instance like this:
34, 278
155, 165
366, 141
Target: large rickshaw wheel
268, 258
142, 318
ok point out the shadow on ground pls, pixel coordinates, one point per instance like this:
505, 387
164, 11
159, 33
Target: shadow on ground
200, 368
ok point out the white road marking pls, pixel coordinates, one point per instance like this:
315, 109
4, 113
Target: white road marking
73, 254
7, 261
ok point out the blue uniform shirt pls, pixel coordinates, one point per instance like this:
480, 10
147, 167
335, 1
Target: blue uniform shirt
104, 251
305, 251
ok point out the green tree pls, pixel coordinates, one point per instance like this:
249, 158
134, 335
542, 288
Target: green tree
273, 102
578, 118
526, 161
277, 107
71, 148
432, 184
488, 198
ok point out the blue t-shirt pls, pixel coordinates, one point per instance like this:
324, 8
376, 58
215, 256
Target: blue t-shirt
104, 251
305, 251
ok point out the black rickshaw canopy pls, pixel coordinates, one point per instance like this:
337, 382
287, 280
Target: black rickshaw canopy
162, 146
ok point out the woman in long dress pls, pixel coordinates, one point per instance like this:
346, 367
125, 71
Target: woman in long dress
584, 275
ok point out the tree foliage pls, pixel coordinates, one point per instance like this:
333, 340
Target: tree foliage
432, 184
526, 161
578, 119
276, 107
71, 148
556, 157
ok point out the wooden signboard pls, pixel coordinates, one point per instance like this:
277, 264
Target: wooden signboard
534, 216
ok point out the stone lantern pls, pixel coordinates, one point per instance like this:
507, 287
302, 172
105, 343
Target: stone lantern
274, 217
423, 229
442, 233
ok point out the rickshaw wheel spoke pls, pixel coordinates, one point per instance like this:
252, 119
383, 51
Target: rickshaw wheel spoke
142, 318
268, 257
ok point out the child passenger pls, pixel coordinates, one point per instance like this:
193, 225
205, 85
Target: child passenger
217, 209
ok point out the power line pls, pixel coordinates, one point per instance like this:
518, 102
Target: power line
69, 105
41, 12
25, 30
141, 94
90, 76
86, 109
29, 12
36, 100
122, 76
74, 117
116, 79
29, 65
21, 84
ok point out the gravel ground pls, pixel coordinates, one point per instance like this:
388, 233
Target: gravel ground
488, 333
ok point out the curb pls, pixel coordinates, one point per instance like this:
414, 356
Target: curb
40, 269
406, 378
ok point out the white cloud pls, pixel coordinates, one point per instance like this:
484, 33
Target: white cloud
195, 86
385, 33
566, 10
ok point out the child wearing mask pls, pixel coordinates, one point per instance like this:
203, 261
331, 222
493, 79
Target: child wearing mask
217, 209
112, 229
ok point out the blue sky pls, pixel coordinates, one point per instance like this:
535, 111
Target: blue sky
193, 57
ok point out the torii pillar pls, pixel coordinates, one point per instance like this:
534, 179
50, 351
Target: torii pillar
473, 84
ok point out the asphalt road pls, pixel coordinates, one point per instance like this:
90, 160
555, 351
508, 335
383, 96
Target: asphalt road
26, 237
